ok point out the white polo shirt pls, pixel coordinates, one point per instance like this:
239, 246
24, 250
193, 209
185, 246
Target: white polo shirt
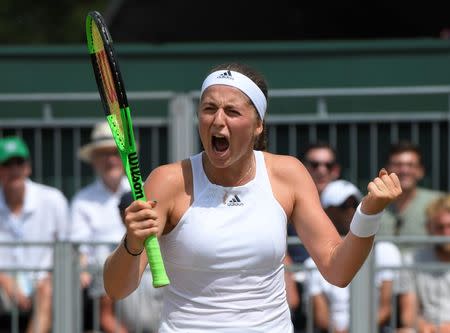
44, 218
95, 217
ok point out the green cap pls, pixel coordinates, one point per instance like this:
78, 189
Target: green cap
13, 146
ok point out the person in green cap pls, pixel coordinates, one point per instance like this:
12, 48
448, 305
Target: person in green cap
29, 212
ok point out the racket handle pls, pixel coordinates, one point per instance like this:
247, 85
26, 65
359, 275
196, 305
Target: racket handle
130, 161
160, 278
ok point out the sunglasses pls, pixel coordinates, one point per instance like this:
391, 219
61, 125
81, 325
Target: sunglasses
317, 164
19, 161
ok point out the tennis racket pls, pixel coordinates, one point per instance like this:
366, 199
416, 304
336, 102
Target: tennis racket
115, 104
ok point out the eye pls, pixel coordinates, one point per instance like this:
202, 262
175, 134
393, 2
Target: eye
233, 112
208, 108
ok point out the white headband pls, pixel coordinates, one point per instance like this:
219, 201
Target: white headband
240, 81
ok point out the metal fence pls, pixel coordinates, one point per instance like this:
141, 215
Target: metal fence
68, 311
166, 130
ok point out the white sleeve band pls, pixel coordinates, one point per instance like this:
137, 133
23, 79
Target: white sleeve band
364, 225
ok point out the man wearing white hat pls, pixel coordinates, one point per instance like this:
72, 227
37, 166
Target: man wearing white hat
94, 213
340, 200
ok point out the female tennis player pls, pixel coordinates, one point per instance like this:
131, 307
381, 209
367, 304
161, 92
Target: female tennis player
221, 219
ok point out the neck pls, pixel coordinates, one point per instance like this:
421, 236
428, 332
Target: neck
112, 184
235, 175
15, 199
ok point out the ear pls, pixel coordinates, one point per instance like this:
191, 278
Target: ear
28, 169
259, 127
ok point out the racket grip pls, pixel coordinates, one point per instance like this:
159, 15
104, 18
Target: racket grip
160, 278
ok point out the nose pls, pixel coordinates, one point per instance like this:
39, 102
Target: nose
219, 117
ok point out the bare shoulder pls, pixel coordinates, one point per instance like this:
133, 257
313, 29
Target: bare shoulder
289, 180
168, 179
284, 166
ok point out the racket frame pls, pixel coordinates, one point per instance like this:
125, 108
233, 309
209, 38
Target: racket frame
121, 126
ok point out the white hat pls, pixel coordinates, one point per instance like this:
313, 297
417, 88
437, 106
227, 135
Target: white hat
336, 192
101, 137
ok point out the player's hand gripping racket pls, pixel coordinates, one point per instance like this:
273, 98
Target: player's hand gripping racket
114, 99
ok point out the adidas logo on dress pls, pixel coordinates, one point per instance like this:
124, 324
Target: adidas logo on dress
235, 201
226, 75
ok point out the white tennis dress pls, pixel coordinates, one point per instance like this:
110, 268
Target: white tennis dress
225, 259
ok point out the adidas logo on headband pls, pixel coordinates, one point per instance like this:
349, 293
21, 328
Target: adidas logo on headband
226, 75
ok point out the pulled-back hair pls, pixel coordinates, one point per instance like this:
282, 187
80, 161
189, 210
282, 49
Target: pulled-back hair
261, 141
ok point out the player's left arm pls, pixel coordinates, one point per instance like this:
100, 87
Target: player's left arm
337, 259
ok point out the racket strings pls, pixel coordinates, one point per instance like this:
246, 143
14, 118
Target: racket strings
107, 83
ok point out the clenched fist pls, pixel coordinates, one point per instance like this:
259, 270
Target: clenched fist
383, 190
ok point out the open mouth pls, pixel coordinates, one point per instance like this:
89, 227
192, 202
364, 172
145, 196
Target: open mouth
220, 143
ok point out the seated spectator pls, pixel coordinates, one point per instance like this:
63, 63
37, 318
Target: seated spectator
425, 295
331, 304
95, 217
29, 212
406, 216
321, 161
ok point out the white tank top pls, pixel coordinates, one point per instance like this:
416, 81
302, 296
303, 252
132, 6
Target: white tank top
225, 259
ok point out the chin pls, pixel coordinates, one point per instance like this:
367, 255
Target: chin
407, 184
17, 181
113, 174
218, 158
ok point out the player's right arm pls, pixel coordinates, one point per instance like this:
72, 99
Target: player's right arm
123, 271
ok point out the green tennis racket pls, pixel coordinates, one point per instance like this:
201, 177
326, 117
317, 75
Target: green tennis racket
115, 104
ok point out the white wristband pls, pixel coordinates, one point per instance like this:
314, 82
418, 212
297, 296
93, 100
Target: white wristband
364, 225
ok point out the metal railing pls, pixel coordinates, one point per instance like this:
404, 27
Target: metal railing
360, 137
68, 309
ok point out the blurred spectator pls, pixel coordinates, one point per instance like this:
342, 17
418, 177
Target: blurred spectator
406, 216
425, 295
141, 310
321, 161
331, 304
28, 212
95, 216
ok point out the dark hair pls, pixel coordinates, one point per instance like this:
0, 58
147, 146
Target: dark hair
319, 145
404, 147
125, 200
260, 81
